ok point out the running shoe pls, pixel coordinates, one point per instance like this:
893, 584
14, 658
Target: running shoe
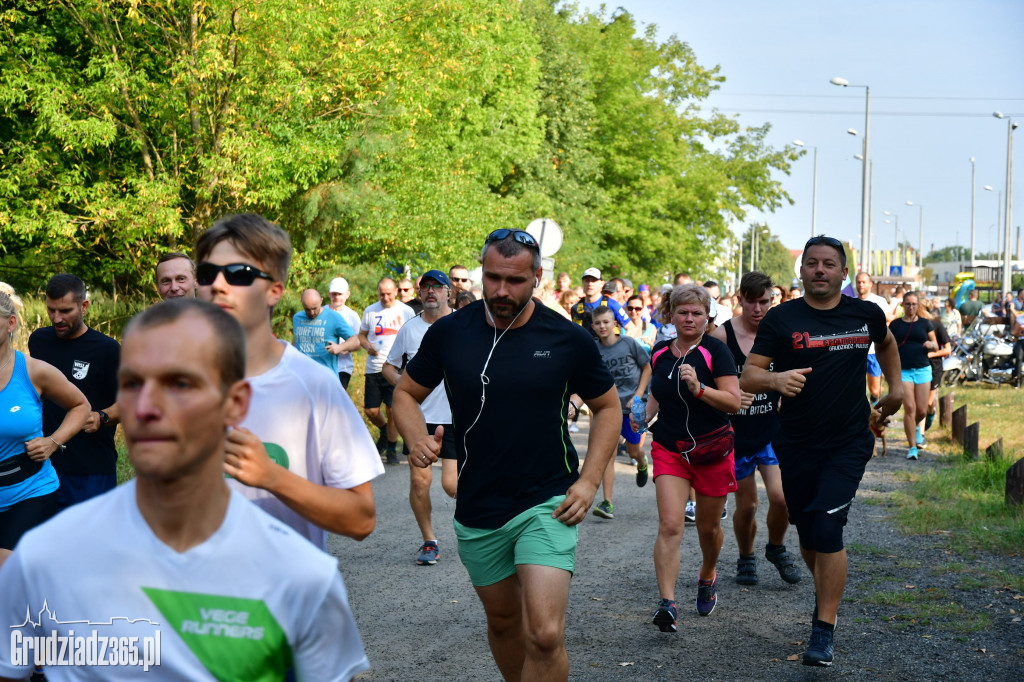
920, 438
665, 616
822, 649
707, 596
912, 453
928, 420
382, 441
783, 560
429, 553
605, 510
641, 474
691, 511
391, 456
573, 428
746, 569
725, 509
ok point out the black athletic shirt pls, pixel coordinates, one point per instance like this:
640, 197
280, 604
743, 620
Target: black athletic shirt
678, 408
910, 339
90, 363
757, 425
832, 409
942, 338
518, 454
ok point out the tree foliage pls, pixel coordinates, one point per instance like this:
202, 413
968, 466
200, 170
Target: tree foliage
399, 131
772, 257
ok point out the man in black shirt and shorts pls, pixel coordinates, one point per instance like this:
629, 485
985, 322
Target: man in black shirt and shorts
509, 365
819, 345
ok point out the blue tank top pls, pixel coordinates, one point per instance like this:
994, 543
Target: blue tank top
22, 420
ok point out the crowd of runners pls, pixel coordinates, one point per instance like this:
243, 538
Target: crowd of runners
486, 379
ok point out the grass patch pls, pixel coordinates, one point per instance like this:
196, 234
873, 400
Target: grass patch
964, 500
931, 608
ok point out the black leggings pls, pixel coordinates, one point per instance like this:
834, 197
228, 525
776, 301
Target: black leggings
1018, 355
24, 516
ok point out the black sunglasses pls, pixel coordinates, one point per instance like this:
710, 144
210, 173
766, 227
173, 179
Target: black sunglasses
828, 241
632, 309
521, 236
235, 274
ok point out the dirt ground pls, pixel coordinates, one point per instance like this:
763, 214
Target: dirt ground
912, 608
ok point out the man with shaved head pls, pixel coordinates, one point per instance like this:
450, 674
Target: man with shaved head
320, 333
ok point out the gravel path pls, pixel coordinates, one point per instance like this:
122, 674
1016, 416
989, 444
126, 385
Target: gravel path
912, 609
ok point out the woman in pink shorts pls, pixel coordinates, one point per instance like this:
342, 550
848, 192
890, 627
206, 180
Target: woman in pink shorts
693, 390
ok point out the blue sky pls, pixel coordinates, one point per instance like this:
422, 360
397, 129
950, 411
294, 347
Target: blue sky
937, 70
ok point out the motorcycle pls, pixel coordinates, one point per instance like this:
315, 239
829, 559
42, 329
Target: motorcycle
981, 355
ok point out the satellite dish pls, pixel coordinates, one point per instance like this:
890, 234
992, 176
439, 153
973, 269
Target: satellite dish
548, 234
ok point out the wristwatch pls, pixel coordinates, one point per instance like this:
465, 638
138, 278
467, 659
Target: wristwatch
104, 419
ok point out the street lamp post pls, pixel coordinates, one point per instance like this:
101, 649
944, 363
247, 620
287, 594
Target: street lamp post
1007, 263
864, 215
920, 236
999, 218
896, 239
814, 191
972, 212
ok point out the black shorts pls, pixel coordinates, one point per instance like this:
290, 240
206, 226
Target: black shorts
823, 480
378, 390
447, 440
936, 373
345, 377
24, 516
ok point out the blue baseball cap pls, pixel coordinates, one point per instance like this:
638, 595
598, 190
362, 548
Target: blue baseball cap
437, 276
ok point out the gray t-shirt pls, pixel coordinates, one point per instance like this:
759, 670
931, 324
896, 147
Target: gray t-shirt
625, 360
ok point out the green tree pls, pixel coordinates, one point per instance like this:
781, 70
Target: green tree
771, 256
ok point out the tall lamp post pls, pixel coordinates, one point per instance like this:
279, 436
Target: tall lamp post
864, 215
920, 235
972, 212
1007, 263
814, 191
999, 217
896, 239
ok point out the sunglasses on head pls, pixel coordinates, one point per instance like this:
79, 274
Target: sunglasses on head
828, 241
235, 274
521, 236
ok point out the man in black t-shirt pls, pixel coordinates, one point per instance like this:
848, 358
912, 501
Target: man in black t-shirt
509, 366
86, 464
819, 345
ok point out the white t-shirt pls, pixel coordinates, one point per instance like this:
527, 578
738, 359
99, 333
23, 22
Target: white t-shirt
345, 362
238, 606
381, 326
407, 342
309, 425
884, 305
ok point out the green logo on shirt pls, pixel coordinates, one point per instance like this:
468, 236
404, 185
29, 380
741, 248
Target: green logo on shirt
235, 638
277, 454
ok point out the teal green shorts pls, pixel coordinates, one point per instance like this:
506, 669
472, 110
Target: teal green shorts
532, 537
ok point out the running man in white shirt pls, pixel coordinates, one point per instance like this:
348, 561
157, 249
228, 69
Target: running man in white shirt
303, 453
434, 286
863, 284
175, 566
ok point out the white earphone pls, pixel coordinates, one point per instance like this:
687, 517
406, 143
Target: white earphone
536, 282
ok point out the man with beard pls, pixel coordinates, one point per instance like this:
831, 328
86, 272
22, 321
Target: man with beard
819, 344
434, 287
86, 464
509, 366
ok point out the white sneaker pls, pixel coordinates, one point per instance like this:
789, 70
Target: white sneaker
725, 509
691, 511
573, 428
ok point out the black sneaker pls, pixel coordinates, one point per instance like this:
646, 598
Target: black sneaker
382, 441
746, 569
707, 596
641, 474
822, 649
783, 560
391, 456
665, 616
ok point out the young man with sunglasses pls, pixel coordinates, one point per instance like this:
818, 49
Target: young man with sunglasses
509, 365
819, 346
302, 453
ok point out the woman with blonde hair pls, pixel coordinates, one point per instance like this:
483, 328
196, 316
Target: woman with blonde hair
28, 494
694, 388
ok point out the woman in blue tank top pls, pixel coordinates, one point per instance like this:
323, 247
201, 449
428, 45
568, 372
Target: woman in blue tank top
28, 482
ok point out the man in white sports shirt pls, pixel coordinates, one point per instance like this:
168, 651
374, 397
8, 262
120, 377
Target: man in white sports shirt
303, 453
340, 292
863, 285
434, 286
377, 331
173, 573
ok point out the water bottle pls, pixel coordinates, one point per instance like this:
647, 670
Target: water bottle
639, 410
